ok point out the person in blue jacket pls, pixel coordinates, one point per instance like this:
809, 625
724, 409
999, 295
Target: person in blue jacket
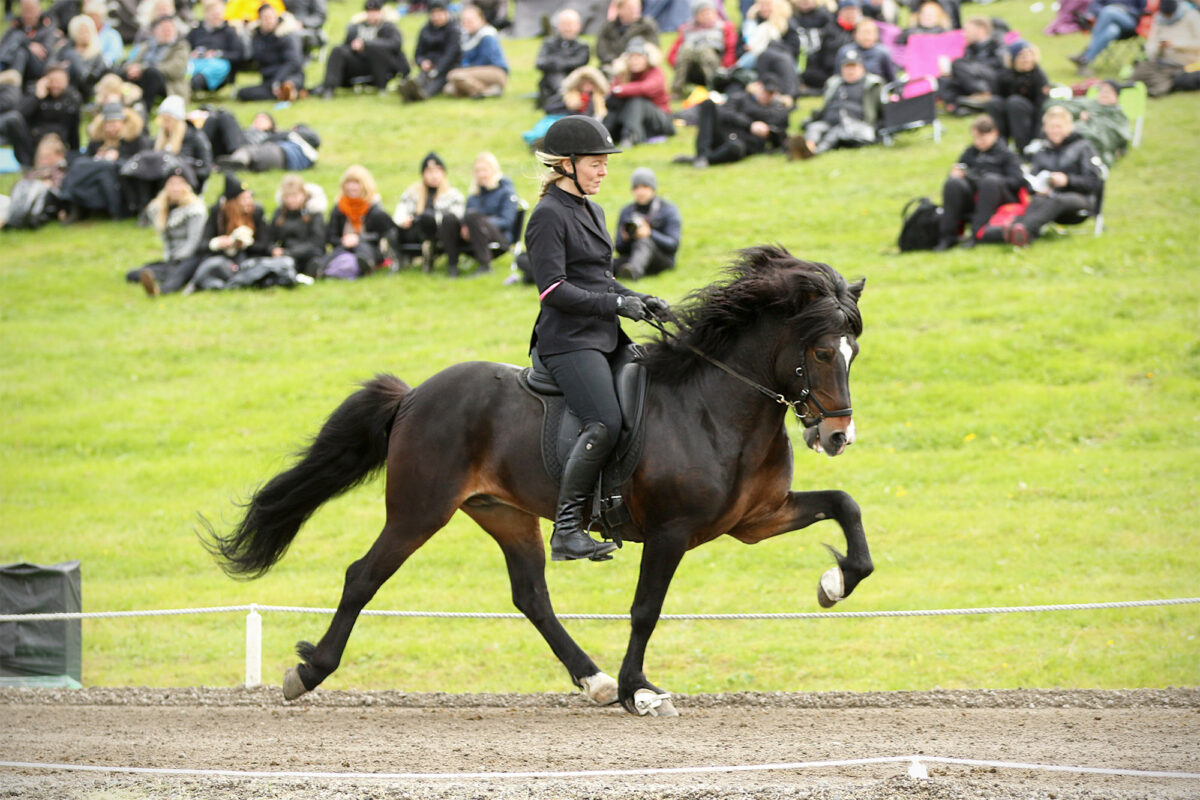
648, 229
488, 221
484, 70
577, 336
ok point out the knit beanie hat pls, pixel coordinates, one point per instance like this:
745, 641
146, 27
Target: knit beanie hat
173, 107
233, 186
643, 176
432, 158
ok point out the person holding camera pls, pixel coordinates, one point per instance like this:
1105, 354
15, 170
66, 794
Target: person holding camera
577, 336
648, 230
986, 175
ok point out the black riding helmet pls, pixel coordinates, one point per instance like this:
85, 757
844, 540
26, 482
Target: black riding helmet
577, 135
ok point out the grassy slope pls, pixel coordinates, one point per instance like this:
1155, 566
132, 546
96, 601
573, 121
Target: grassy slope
1027, 421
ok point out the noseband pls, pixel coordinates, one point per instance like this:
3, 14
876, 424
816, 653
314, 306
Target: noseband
802, 407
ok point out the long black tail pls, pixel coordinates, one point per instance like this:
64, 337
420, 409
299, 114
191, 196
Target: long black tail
350, 448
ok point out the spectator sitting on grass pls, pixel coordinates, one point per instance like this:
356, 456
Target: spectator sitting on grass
638, 105
612, 41
930, 19
373, 49
560, 55
217, 49
276, 49
823, 64
423, 206
92, 182
160, 66
439, 50
1172, 50
297, 231
1021, 90
489, 219
179, 217
483, 71
1102, 121
850, 111
53, 107
746, 124
986, 175
875, 57
702, 46
582, 92
1067, 177
648, 230
358, 225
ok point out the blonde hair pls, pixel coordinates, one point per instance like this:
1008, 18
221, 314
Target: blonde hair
982, 22
943, 17
84, 22
163, 209
294, 183
492, 162
1057, 112
357, 172
173, 141
550, 176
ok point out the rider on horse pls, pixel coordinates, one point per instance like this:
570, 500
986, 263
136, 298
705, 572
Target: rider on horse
577, 336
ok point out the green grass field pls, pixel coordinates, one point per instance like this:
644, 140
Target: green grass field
1028, 428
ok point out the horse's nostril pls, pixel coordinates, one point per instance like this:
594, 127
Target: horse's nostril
838, 440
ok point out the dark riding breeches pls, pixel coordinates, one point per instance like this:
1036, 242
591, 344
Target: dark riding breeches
586, 380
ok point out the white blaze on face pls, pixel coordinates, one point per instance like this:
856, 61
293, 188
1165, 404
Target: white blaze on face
847, 353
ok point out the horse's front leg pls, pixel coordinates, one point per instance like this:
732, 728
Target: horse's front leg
802, 509
661, 555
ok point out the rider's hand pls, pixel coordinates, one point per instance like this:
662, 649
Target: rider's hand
632, 307
657, 307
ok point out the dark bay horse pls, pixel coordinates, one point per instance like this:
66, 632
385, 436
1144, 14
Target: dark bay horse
716, 460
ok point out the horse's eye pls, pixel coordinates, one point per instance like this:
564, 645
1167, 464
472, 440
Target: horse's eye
825, 356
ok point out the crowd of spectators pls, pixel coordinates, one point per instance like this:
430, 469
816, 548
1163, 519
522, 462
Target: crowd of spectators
737, 83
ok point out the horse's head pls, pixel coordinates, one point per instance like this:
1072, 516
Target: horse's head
824, 329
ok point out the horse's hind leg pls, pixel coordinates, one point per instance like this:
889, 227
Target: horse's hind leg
519, 537
363, 578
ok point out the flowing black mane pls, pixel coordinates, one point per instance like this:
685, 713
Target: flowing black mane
764, 281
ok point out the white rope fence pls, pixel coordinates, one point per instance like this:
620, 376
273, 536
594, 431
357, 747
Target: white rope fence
254, 617
916, 769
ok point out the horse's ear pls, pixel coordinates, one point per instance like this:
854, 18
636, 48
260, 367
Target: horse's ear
856, 288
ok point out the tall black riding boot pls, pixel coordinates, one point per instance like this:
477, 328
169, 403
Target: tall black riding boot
570, 539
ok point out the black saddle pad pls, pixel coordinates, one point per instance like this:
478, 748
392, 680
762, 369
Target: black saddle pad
561, 428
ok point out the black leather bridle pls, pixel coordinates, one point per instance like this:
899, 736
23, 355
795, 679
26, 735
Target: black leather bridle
802, 406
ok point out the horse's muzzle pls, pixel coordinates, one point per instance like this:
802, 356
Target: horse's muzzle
831, 436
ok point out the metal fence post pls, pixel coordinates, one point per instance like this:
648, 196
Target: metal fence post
253, 647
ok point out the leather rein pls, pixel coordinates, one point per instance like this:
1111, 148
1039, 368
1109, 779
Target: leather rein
802, 406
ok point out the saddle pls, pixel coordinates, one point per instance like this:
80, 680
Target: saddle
561, 428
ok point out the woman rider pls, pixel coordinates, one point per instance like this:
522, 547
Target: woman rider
577, 336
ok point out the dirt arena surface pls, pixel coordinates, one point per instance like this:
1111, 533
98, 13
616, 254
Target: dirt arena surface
351, 733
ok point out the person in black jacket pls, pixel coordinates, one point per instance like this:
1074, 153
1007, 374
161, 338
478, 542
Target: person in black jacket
92, 182
53, 107
975, 76
648, 229
746, 124
986, 176
577, 336
439, 50
823, 64
279, 57
373, 48
560, 54
28, 42
1067, 178
296, 231
217, 49
1022, 89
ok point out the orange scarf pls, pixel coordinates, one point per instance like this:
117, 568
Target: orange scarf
355, 209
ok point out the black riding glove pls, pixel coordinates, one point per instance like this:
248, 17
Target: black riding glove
657, 307
632, 307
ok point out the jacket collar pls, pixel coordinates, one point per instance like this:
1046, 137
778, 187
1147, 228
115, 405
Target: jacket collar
581, 203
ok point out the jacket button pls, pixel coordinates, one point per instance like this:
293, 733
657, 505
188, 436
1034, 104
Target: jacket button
607, 274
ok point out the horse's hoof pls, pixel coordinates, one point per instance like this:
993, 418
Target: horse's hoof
601, 689
650, 703
832, 587
293, 687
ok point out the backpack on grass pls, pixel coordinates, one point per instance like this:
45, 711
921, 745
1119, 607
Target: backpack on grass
921, 225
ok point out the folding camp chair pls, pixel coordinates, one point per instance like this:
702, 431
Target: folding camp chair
908, 105
1120, 54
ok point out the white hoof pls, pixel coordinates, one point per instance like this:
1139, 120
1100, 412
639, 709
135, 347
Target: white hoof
652, 704
293, 687
832, 587
601, 689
